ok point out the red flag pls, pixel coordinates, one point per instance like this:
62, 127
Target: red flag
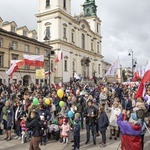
34, 60
12, 69
146, 78
53, 85
19, 63
58, 86
59, 57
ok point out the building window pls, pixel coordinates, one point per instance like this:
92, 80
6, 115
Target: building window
99, 67
24, 33
64, 33
14, 45
46, 65
13, 29
14, 57
98, 47
37, 51
92, 67
92, 46
34, 36
45, 53
72, 37
37, 67
73, 65
52, 65
47, 3
83, 41
64, 4
65, 65
1, 42
27, 48
48, 31
97, 28
26, 66
1, 59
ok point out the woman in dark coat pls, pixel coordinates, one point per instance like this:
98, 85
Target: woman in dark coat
7, 117
18, 114
103, 123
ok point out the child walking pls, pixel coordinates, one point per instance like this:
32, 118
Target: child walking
65, 129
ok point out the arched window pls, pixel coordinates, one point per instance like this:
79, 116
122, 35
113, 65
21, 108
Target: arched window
88, 11
47, 3
64, 4
83, 41
73, 66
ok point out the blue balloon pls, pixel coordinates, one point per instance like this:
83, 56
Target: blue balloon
70, 114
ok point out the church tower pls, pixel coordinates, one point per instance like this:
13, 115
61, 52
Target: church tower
48, 16
90, 15
89, 8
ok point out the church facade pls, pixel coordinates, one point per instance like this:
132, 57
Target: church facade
79, 37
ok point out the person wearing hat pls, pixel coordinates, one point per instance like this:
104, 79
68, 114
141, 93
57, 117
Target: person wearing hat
33, 124
76, 131
91, 118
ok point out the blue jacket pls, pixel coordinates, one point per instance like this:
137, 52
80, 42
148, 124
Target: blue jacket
103, 121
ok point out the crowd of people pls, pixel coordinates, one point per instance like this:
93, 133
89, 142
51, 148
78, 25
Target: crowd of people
37, 113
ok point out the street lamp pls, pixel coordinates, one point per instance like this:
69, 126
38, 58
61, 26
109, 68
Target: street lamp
10, 47
134, 60
47, 38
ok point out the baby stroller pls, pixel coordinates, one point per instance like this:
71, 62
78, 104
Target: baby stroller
53, 130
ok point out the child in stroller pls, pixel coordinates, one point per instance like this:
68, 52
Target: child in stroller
53, 130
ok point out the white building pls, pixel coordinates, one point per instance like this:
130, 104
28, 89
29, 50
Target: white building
78, 36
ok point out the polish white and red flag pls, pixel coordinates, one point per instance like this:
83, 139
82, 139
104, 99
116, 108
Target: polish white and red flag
34, 60
53, 85
58, 86
55, 68
59, 56
19, 63
11, 70
48, 72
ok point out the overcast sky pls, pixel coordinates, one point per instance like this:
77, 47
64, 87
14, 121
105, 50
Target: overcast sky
125, 25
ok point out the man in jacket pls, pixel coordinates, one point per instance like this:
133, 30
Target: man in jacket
33, 124
91, 118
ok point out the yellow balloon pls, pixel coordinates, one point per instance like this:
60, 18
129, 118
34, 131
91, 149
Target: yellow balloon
60, 93
105, 89
47, 101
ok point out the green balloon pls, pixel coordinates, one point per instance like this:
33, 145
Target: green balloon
35, 101
61, 103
